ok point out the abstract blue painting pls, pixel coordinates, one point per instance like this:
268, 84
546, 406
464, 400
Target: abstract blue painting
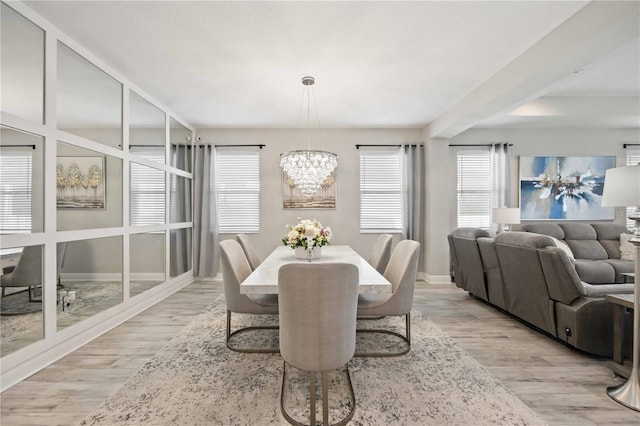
563, 188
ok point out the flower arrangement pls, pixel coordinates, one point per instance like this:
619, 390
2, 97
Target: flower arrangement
307, 230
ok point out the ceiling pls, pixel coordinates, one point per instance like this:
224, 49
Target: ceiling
376, 64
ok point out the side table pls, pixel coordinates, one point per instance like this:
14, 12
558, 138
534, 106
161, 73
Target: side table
620, 303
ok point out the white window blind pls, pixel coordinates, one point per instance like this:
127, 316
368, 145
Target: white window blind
474, 188
15, 191
633, 159
381, 190
147, 195
238, 187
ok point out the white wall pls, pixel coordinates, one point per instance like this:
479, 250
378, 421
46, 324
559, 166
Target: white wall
565, 141
344, 220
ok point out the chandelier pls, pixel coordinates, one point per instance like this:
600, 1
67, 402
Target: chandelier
308, 169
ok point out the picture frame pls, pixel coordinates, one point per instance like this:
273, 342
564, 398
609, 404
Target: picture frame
564, 187
325, 198
81, 182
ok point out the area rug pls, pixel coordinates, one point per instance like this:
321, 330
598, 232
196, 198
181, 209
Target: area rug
196, 380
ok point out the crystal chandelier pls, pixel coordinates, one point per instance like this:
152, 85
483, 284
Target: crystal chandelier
308, 169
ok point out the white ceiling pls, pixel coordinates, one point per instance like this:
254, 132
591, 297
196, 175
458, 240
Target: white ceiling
376, 64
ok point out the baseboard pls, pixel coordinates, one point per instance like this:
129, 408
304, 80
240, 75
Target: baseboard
23, 363
437, 279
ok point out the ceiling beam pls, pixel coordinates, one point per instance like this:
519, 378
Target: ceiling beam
595, 30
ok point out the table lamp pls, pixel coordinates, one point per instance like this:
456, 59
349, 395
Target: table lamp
505, 216
622, 189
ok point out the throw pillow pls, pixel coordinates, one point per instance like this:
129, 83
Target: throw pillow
627, 250
564, 247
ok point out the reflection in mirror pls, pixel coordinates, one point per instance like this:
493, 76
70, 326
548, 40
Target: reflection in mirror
89, 189
21, 320
89, 102
22, 66
180, 198
21, 182
91, 279
147, 261
181, 139
147, 195
147, 133
180, 255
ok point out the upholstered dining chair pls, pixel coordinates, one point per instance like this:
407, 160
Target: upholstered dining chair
28, 271
235, 269
249, 251
401, 273
318, 326
381, 252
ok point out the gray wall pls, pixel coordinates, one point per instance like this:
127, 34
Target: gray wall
345, 219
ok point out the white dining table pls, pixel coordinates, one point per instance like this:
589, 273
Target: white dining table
264, 280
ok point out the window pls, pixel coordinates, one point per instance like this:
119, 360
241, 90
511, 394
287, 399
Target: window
381, 190
15, 191
633, 158
238, 187
147, 195
474, 188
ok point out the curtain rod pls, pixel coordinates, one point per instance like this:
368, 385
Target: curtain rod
625, 145
18, 146
480, 144
232, 146
396, 145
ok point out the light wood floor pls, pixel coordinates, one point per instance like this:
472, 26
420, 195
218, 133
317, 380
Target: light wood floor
561, 385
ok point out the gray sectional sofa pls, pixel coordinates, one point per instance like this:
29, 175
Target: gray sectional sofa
530, 276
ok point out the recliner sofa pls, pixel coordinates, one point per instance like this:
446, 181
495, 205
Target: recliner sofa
527, 275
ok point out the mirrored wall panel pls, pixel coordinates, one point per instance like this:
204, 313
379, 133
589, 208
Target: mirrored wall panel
147, 252
89, 189
90, 280
147, 134
21, 66
181, 152
147, 195
21, 182
180, 254
89, 101
180, 198
21, 319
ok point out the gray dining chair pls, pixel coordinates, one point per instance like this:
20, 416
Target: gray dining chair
318, 326
235, 269
381, 252
401, 273
28, 271
249, 251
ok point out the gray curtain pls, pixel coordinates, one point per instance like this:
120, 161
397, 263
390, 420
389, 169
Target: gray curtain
414, 174
180, 240
205, 217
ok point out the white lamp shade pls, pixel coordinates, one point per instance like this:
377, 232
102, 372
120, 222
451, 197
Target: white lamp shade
622, 187
505, 215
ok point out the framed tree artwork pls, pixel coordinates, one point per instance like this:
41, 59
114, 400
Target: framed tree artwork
80, 182
325, 198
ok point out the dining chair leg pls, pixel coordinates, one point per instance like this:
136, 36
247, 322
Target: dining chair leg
325, 399
406, 338
312, 398
243, 330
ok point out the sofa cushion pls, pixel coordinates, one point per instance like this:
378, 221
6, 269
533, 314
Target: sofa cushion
524, 239
578, 231
564, 247
627, 250
620, 266
550, 229
595, 272
609, 237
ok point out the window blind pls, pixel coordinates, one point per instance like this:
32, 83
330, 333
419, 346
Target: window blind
633, 159
147, 195
238, 189
381, 190
15, 191
474, 189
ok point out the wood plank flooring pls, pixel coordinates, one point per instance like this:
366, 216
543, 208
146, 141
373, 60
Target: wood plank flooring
563, 386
